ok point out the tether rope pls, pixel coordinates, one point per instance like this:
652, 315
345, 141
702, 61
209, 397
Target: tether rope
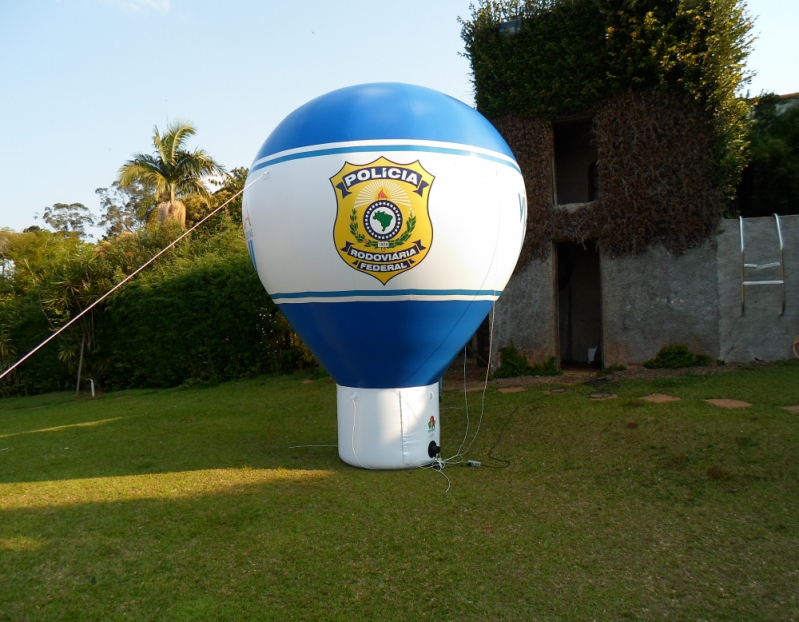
125, 280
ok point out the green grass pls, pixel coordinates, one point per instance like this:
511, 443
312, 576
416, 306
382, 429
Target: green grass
188, 504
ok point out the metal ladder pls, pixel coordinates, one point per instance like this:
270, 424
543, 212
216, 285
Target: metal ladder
775, 264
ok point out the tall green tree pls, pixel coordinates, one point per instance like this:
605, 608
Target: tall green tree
68, 218
172, 170
69, 288
125, 210
770, 182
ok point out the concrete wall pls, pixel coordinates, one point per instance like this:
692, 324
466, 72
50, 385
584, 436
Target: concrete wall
761, 334
526, 314
656, 298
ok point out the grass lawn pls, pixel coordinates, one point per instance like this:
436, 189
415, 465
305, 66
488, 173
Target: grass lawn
189, 504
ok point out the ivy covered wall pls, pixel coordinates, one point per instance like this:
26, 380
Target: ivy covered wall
659, 79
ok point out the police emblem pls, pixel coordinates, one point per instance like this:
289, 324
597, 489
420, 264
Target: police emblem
382, 224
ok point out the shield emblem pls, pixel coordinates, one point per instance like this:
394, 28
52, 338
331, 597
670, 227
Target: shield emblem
382, 224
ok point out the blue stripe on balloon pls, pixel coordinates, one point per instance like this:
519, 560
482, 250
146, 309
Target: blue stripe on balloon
384, 149
383, 111
375, 345
390, 292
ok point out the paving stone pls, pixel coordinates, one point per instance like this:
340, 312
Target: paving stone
660, 398
512, 389
727, 403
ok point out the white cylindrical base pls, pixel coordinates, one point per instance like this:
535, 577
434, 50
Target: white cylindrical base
387, 428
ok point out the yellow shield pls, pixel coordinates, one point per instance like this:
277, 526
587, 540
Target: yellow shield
382, 225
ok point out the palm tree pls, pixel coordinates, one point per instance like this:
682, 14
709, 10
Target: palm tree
173, 171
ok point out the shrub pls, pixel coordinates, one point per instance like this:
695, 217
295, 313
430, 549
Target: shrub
198, 316
677, 355
513, 364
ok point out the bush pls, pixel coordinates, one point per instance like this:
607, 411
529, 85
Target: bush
198, 316
677, 355
513, 364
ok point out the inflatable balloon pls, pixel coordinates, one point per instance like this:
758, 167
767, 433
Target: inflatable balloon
385, 223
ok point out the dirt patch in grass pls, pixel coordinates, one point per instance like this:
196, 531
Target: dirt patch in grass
677, 460
718, 473
792, 409
660, 398
512, 389
728, 403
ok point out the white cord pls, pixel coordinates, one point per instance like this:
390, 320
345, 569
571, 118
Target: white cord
440, 469
485, 385
298, 446
466, 402
459, 456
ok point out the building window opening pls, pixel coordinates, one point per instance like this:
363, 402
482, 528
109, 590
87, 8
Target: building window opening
576, 175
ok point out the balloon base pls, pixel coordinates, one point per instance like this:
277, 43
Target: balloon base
388, 428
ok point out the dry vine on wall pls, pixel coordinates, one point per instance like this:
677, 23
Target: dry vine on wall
657, 178
657, 173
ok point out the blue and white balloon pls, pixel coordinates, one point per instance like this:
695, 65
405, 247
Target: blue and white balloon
386, 221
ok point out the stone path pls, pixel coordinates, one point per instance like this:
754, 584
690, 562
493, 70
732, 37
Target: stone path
660, 398
727, 403
603, 396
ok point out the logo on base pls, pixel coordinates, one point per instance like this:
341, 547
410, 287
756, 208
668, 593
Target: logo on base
382, 224
431, 425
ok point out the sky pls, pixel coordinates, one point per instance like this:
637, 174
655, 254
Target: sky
84, 82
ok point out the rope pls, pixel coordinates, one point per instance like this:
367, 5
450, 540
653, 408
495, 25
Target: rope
123, 281
485, 384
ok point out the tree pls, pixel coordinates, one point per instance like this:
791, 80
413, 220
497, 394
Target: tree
172, 171
770, 182
54, 276
125, 209
6, 265
68, 218
232, 184
70, 287
228, 186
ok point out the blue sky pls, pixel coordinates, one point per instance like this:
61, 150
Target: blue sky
83, 82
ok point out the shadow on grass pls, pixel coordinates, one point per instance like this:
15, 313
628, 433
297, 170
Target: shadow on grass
223, 554
189, 505
247, 424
